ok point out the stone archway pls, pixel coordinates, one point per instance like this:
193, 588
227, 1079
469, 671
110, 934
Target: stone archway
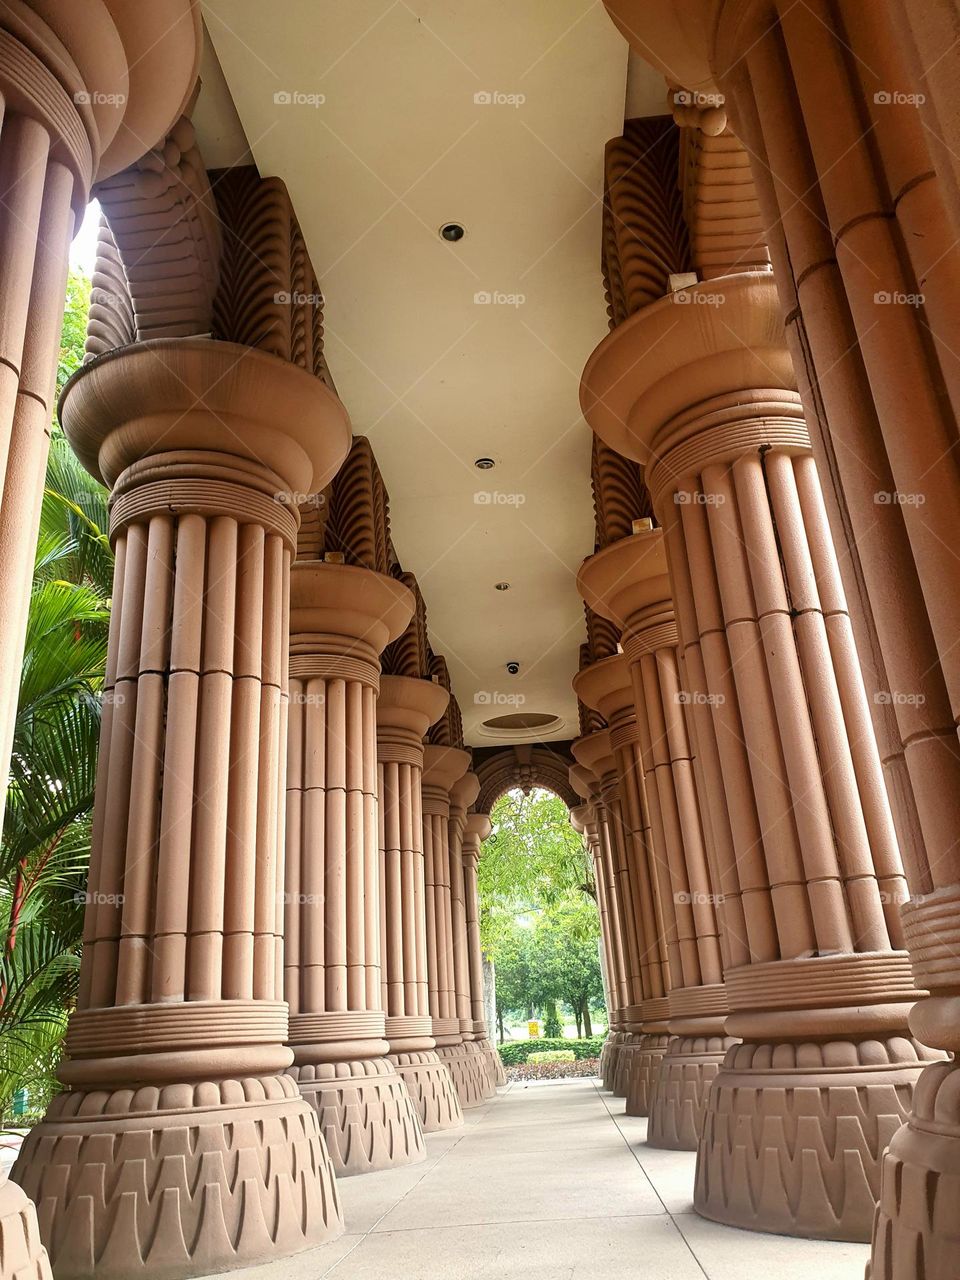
523, 765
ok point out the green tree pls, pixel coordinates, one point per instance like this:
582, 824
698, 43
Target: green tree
566, 960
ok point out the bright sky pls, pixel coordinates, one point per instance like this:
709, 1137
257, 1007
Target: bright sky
83, 250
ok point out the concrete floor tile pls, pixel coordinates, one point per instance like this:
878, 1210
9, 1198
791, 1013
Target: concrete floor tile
614, 1249
727, 1254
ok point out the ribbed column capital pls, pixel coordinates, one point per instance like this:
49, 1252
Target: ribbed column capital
193, 397
406, 708
628, 583
606, 687
442, 768
594, 754
343, 617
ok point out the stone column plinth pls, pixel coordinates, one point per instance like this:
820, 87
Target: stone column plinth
443, 767
341, 619
405, 710
595, 755
628, 583
703, 396
476, 830
180, 1145
606, 687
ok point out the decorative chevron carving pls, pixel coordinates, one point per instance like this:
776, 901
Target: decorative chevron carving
409, 655
679, 1095
448, 730
111, 322
431, 1090
644, 236
619, 494
720, 205
359, 519
793, 1135
268, 295
165, 234
235, 1169
468, 1072
365, 1114
917, 1229
22, 1256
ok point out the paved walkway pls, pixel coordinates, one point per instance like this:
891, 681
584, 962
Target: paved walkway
549, 1182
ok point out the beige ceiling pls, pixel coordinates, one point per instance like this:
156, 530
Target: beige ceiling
397, 147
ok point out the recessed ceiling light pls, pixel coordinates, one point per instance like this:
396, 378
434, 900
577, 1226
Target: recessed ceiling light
484, 464
502, 586
452, 232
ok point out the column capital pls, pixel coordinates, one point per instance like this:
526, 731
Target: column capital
628, 583
595, 754
344, 612
193, 396
478, 827
406, 708
606, 686
464, 792
442, 767
720, 344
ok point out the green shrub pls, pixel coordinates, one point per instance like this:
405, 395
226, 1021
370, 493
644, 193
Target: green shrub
552, 1055
516, 1051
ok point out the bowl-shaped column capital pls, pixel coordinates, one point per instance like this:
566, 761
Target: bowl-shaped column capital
718, 339
594, 754
478, 826
465, 791
674, 36
348, 606
626, 579
444, 766
606, 687
410, 706
194, 396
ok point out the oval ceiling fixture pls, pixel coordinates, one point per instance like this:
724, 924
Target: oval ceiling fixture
521, 726
452, 232
484, 464
501, 586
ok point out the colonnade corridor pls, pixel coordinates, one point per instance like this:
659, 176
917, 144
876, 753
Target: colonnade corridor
549, 1181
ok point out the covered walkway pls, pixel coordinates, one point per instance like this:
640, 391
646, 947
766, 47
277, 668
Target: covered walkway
549, 1182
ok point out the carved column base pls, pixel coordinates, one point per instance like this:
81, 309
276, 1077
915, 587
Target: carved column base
468, 1073
365, 1113
430, 1088
645, 1059
179, 1181
793, 1134
22, 1256
679, 1096
492, 1062
917, 1226
608, 1058
623, 1063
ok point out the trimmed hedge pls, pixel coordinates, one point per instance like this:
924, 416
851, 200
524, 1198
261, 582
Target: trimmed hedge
528, 1071
515, 1051
552, 1055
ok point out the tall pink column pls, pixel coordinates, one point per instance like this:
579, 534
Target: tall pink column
176, 1068
406, 708
628, 583
595, 755
443, 768
606, 687
703, 395
462, 796
476, 830
341, 619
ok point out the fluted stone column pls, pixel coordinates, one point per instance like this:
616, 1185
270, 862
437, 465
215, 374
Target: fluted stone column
583, 819
476, 830
405, 709
180, 1146
595, 754
703, 396
341, 619
462, 795
628, 583
606, 687
443, 767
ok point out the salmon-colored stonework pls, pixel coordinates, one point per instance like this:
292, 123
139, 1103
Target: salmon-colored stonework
406, 708
177, 1057
282, 978
341, 619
